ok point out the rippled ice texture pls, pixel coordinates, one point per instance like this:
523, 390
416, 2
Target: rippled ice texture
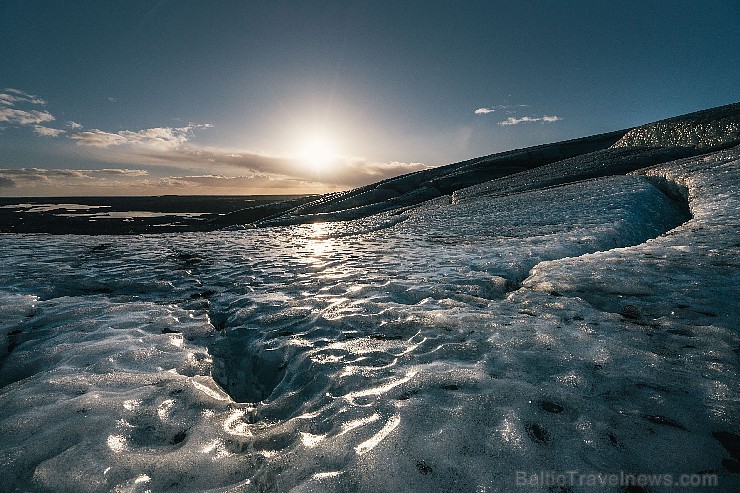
442, 349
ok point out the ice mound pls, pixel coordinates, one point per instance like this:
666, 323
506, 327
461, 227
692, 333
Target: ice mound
640, 147
708, 129
607, 162
415, 188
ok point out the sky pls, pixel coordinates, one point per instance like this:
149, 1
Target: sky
283, 97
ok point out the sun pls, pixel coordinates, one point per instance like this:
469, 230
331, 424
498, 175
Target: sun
318, 152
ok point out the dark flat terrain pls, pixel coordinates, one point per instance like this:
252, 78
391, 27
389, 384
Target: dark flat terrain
134, 215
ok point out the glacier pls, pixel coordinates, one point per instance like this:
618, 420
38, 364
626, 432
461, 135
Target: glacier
576, 315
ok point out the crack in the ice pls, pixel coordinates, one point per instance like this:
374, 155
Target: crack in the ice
677, 195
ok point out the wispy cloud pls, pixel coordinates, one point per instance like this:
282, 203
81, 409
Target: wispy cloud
15, 116
166, 137
47, 132
44, 174
345, 171
121, 172
12, 96
529, 119
43, 181
499, 107
12, 115
97, 138
509, 109
214, 181
60, 182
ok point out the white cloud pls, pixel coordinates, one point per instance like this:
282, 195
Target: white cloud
12, 96
516, 121
21, 117
34, 174
47, 132
211, 181
66, 182
61, 182
97, 138
12, 115
484, 110
125, 171
42, 181
162, 137
529, 119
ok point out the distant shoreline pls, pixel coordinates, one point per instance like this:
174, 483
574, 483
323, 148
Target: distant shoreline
123, 215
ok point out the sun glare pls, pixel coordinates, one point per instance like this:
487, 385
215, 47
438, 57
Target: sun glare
318, 152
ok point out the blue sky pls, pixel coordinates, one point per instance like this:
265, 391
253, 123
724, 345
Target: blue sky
200, 97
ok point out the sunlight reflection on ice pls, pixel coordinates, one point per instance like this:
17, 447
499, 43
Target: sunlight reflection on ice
131, 404
116, 443
310, 440
235, 425
381, 389
317, 243
163, 410
326, 475
209, 392
509, 430
142, 478
351, 425
373, 442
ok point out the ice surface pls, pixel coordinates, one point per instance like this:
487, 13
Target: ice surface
703, 130
588, 327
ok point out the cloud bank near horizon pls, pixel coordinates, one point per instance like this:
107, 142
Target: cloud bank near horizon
114, 181
42, 179
173, 147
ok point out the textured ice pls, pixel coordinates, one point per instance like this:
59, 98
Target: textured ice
702, 130
589, 326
